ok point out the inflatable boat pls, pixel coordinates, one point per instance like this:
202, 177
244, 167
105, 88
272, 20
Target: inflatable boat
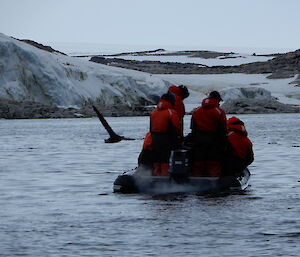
141, 180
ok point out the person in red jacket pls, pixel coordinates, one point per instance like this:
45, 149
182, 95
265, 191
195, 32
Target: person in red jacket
239, 151
209, 131
180, 92
165, 129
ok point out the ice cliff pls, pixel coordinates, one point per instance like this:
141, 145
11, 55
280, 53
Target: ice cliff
28, 73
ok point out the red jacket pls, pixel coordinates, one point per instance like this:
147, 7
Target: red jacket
164, 116
147, 141
160, 119
209, 117
237, 138
179, 105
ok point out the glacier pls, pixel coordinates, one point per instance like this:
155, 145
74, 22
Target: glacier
31, 74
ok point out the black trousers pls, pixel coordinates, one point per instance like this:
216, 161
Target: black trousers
146, 158
207, 147
162, 145
232, 165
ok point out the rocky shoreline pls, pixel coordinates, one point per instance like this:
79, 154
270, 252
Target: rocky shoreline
10, 109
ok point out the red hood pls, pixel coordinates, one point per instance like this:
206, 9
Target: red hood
175, 90
234, 125
163, 105
210, 103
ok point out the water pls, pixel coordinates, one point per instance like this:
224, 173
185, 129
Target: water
56, 196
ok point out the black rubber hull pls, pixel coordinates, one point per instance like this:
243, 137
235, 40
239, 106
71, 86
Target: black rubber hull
133, 182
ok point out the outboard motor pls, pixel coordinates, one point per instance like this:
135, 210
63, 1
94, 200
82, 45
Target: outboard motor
179, 166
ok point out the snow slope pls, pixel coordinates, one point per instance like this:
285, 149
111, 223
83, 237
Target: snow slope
28, 73
201, 85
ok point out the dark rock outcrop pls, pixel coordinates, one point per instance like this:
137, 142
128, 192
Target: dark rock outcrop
255, 106
41, 46
11, 109
153, 67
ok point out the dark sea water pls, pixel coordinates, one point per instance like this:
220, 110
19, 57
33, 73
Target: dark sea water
56, 195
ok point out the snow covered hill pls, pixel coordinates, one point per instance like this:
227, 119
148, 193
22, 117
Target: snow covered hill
28, 73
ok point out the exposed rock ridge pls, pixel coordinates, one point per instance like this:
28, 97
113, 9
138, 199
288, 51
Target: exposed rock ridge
283, 66
41, 46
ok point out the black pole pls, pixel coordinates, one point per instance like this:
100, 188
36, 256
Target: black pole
113, 137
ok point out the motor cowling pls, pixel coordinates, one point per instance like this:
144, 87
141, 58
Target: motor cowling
179, 165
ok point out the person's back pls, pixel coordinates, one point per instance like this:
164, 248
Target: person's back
209, 117
208, 126
180, 92
240, 151
165, 129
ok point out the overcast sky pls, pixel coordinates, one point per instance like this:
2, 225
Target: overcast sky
243, 23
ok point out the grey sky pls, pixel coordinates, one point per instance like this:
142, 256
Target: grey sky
245, 23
